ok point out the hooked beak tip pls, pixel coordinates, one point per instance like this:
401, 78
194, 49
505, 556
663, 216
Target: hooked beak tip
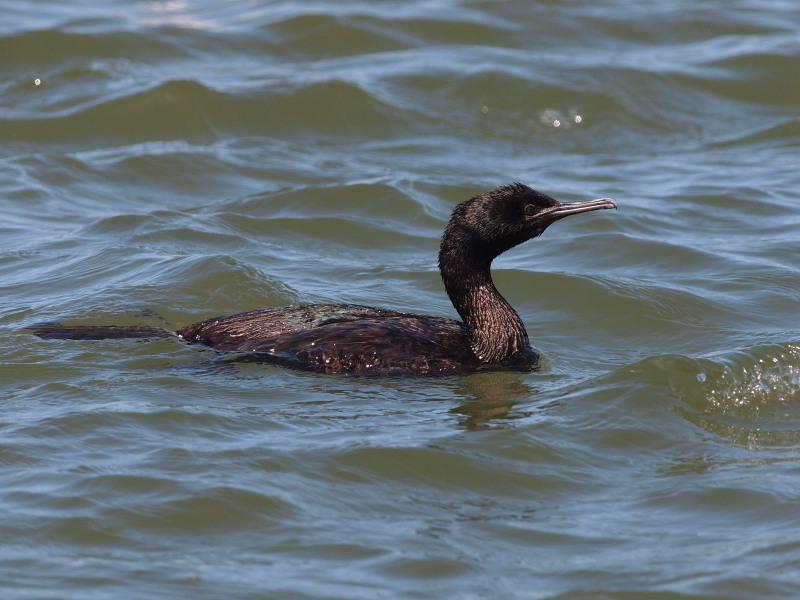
609, 201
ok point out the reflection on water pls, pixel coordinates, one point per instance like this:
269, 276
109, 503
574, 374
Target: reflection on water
485, 397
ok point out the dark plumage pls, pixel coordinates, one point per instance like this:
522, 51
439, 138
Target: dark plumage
349, 338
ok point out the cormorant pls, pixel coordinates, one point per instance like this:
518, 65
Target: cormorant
355, 339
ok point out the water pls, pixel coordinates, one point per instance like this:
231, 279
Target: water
164, 162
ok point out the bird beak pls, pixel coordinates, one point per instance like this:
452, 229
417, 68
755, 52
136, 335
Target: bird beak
564, 209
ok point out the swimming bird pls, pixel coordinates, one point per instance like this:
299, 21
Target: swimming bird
356, 339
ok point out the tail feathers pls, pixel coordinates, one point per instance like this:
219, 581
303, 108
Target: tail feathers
57, 331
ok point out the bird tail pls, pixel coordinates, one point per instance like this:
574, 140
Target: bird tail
57, 331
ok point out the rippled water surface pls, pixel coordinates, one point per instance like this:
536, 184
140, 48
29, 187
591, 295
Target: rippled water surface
165, 162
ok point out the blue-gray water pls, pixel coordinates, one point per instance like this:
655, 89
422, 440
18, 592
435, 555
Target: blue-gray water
164, 162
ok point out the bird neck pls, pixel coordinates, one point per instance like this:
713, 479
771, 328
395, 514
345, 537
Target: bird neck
497, 334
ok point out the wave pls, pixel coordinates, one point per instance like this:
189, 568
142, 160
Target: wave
750, 397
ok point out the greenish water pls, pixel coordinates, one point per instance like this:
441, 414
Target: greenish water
165, 162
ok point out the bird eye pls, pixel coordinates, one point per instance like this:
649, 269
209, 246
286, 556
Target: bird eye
530, 210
